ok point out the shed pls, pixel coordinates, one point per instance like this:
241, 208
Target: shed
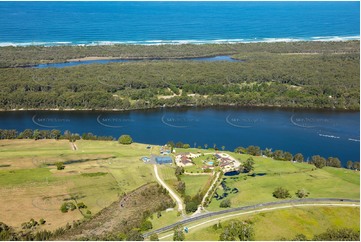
164, 160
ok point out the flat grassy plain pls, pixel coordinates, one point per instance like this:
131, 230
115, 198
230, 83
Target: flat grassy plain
269, 174
287, 223
195, 183
29, 182
98, 172
167, 173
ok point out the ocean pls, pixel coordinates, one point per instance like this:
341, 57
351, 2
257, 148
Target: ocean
100, 23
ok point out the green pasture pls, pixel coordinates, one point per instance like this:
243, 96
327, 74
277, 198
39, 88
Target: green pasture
28, 167
98, 172
195, 183
287, 223
269, 174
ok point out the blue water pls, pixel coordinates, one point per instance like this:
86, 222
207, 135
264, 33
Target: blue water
327, 133
64, 23
88, 62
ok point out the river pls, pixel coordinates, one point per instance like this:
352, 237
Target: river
106, 61
327, 133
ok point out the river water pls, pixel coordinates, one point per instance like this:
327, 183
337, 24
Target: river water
106, 61
327, 133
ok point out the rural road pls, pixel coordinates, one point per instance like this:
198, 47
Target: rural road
173, 194
262, 210
257, 208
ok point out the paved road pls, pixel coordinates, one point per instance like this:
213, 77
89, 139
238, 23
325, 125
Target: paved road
215, 220
173, 194
258, 208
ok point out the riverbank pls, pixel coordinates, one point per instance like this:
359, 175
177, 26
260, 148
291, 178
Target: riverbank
145, 58
229, 106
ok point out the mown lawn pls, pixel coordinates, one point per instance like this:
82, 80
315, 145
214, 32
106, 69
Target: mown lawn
287, 223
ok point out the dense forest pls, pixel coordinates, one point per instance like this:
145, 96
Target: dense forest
297, 75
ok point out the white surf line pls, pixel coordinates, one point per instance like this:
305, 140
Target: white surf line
267, 209
175, 196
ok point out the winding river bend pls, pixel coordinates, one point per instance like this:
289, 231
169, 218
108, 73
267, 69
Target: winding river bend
327, 133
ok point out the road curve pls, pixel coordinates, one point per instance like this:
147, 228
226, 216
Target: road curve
173, 194
260, 207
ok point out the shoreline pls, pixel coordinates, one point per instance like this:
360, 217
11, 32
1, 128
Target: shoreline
179, 42
230, 106
145, 58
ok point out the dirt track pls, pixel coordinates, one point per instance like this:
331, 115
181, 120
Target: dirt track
173, 194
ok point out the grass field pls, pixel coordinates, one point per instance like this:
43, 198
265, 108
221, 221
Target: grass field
195, 183
167, 218
286, 223
321, 183
30, 183
100, 171
167, 173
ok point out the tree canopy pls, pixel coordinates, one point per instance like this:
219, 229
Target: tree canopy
125, 139
270, 75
